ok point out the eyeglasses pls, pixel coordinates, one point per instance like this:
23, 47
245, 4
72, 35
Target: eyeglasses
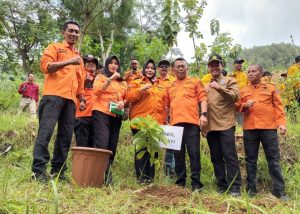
180, 66
164, 66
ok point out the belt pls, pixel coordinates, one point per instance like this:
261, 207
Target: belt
27, 97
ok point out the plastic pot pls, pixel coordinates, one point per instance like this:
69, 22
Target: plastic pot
89, 166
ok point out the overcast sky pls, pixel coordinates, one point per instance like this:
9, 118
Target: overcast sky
250, 22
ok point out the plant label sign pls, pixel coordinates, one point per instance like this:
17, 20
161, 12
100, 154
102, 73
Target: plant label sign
174, 136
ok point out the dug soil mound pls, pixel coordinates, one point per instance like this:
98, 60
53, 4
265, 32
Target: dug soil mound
170, 195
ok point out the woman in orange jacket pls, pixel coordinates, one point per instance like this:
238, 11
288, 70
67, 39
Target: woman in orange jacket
146, 98
110, 91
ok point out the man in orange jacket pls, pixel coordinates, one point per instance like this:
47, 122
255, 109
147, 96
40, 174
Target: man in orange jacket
183, 99
64, 79
165, 80
263, 114
133, 73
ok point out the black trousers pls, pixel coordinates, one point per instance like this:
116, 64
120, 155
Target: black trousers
269, 140
191, 142
143, 169
52, 110
106, 130
224, 159
84, 132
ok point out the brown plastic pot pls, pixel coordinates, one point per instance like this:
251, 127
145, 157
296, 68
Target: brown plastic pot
89, 165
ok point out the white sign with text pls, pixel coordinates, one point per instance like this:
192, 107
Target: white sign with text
174, 136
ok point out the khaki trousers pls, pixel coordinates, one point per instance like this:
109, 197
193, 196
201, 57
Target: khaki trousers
30, 103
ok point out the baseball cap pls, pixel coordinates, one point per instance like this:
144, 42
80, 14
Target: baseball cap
267, 73
239, 61
91, 57
214, 57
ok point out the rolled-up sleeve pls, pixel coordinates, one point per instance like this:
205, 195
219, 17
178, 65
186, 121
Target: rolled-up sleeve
201, 93
49, 55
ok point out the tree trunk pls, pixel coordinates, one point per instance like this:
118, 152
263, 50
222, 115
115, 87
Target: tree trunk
25, 63
197, 61
105, 54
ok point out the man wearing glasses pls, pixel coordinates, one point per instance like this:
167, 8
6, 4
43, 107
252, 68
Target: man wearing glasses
183, 100
165, 80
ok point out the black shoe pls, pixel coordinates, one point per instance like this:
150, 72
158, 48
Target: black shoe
145, 181
222, 190
197, 188
251, 192
280, 195
43, 178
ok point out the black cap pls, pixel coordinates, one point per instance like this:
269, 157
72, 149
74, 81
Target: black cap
297, 59
214, 57
283, 74
164, 62
91, 57
267, 73
239, 61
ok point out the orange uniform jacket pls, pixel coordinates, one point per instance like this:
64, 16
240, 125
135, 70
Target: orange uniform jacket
149, 102
183, 98
130, 76
116, 91
89, 97
66, 82
267, 111
166, 82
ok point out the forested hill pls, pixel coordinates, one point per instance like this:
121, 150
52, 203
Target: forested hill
272, 57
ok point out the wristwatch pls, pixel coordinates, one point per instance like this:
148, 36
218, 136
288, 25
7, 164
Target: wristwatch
204, 114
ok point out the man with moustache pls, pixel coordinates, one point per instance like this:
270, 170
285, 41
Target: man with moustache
165, 81
184, 98
222, 93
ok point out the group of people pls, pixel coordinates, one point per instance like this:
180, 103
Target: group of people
95, 105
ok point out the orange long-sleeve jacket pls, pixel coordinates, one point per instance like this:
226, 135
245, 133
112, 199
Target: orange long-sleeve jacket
115, 92
166, 82
88, 96
267, 111
148, 102
66, 82
129, 76
183, 98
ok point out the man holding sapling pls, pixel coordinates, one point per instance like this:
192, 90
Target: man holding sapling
264, 114
182, 100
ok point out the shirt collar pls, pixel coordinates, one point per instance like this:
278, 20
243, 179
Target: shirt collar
67, 45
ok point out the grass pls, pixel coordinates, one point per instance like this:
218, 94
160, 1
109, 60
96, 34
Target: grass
19, 195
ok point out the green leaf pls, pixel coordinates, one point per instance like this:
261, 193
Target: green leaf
140, 154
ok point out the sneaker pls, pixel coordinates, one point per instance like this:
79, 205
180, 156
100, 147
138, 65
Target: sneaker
43, 178
221, 190
235, 194
61, 177
251, 193
280, 195
197, 188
